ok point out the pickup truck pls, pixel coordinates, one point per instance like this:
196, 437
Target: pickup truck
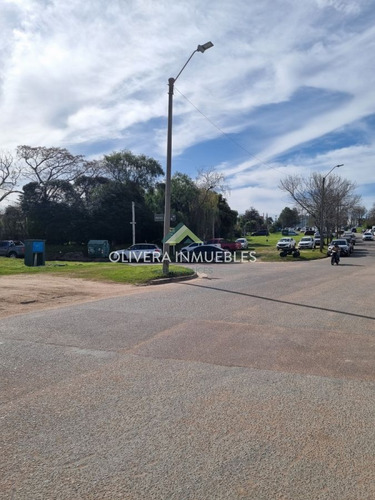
232, 246
12, 249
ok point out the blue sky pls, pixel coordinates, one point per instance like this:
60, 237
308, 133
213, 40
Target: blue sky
288, 88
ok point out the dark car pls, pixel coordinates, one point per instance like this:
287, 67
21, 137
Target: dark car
261, 232
12, 249
206, 254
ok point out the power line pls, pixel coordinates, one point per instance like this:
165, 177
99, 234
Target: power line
227, 136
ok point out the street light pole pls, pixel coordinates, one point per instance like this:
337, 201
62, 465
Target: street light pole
322, 221
167, 196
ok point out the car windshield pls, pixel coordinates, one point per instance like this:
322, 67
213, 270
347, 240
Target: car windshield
306, 239
339, 242
285, 239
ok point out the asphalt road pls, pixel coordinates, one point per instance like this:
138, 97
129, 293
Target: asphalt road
256, 382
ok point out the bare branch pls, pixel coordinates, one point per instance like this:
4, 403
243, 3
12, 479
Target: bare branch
47, 165
9, 175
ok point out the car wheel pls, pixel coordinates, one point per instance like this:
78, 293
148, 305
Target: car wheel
12, 255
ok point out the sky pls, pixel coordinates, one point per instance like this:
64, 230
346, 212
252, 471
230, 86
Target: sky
288, 87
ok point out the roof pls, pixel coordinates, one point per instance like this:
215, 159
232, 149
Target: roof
179, 233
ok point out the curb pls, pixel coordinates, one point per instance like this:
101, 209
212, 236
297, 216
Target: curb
161, 281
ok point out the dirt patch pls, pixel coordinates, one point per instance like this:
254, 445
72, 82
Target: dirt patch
25, 293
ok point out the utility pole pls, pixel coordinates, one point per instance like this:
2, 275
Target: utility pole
167, 196
133, 221
322, 213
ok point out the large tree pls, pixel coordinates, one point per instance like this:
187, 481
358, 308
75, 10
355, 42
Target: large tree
58, 218
327, 200
126, 167
45, 166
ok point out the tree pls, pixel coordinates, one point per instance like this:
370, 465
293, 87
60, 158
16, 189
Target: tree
59, 218
250, 221
371, 216
125, 167
9, 175
289, 217
327, 207
86, 188
210, 185
357, 215
13, 223
227, 218
45, 166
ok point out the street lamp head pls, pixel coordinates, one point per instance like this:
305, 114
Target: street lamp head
204, 47
341, 165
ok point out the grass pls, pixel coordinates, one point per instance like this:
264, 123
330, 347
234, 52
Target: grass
265, 249
98, 271
263, 246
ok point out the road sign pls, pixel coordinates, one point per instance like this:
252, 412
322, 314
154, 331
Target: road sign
160, 217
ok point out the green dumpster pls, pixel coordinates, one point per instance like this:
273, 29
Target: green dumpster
98, 249
35, 253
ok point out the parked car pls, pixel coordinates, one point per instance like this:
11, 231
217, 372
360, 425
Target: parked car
317, 240
243, 242
306, 242
138, 252
261, 232
368, 236
190, 247
309, 232
208, 254
289, 232
286, 243
342, 244
350, 237
232, 246
12, 249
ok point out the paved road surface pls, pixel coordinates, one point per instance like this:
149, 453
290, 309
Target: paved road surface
256, 382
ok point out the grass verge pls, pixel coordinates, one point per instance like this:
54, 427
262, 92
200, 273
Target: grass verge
265, 249
98, 271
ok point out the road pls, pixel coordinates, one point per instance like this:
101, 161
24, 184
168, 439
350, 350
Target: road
255, 382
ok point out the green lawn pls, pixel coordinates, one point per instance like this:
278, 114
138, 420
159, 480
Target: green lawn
99, 271
265, 248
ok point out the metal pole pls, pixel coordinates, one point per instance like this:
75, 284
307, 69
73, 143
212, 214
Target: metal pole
322, 210
133, 221
167, 207
322, 216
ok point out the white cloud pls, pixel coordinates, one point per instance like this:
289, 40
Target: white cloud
76, 72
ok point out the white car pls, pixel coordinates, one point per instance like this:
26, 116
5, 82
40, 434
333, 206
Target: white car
345, 249
286, 244
306, 242
243, 241
191, 247
368, 236
137, 253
